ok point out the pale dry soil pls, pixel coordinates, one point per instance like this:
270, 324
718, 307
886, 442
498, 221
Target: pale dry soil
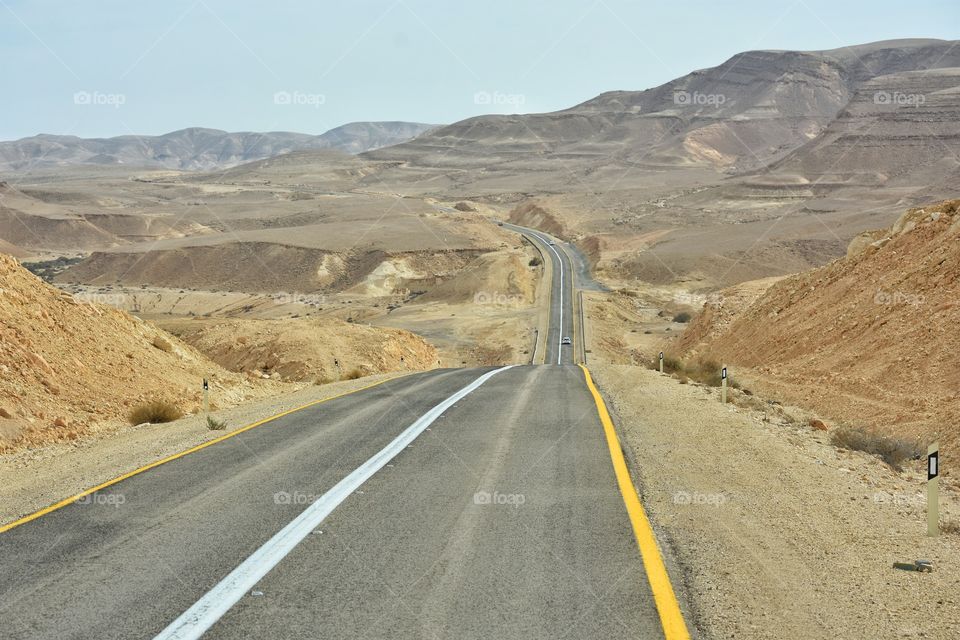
773, 532
35, 478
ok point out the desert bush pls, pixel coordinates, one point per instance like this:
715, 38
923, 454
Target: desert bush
535, 262
950, 527
216, 425
703, 371
670, 364
353, 374
893, 451
155, 412
683, 316
322, 380
706, 372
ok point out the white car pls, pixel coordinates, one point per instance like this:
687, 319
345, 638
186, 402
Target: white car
566, 340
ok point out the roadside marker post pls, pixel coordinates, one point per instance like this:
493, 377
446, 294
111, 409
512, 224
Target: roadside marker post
661, 362
206, 396
723, 385
933, 491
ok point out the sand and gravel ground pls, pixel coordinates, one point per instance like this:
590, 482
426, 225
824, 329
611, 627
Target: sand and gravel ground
34, 478
774, 532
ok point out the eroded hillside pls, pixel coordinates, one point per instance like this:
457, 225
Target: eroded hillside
71, 368
869, 339
305, 349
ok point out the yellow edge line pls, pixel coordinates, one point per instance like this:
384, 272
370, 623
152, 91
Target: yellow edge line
671, 618
153, 465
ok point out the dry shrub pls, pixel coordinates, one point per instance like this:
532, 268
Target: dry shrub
893, 451
216, 425
670, 365
353, 374
155, 412
703, 371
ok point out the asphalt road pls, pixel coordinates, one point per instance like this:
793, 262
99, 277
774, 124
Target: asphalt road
561, 296
424, 507
503, 520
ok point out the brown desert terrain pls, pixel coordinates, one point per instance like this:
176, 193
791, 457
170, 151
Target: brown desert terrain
860, 339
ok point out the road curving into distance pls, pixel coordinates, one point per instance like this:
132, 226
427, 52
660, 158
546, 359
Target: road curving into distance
561, 296
468, 503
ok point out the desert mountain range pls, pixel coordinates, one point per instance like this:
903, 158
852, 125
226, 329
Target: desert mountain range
196, 148
778, 157
744, 114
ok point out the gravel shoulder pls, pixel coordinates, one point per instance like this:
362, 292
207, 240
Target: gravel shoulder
777, 533
35, 478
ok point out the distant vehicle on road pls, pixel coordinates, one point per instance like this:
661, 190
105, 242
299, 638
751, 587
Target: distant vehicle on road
565, 340
552, 243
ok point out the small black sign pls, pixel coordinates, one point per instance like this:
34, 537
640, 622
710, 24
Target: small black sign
723, 373
206, 385
661, 355
933, 465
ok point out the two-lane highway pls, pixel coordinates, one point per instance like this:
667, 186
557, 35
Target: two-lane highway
474, 503
562, 320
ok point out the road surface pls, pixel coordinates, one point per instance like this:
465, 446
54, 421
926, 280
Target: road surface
561, 296
458, 503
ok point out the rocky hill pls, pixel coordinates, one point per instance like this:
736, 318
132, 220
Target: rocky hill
70, 368
197, 148
896, 132
869, 339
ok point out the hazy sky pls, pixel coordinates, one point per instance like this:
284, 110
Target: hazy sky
114, 67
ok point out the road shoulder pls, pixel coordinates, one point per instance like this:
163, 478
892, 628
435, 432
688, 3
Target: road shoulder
779, 534
32, 479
